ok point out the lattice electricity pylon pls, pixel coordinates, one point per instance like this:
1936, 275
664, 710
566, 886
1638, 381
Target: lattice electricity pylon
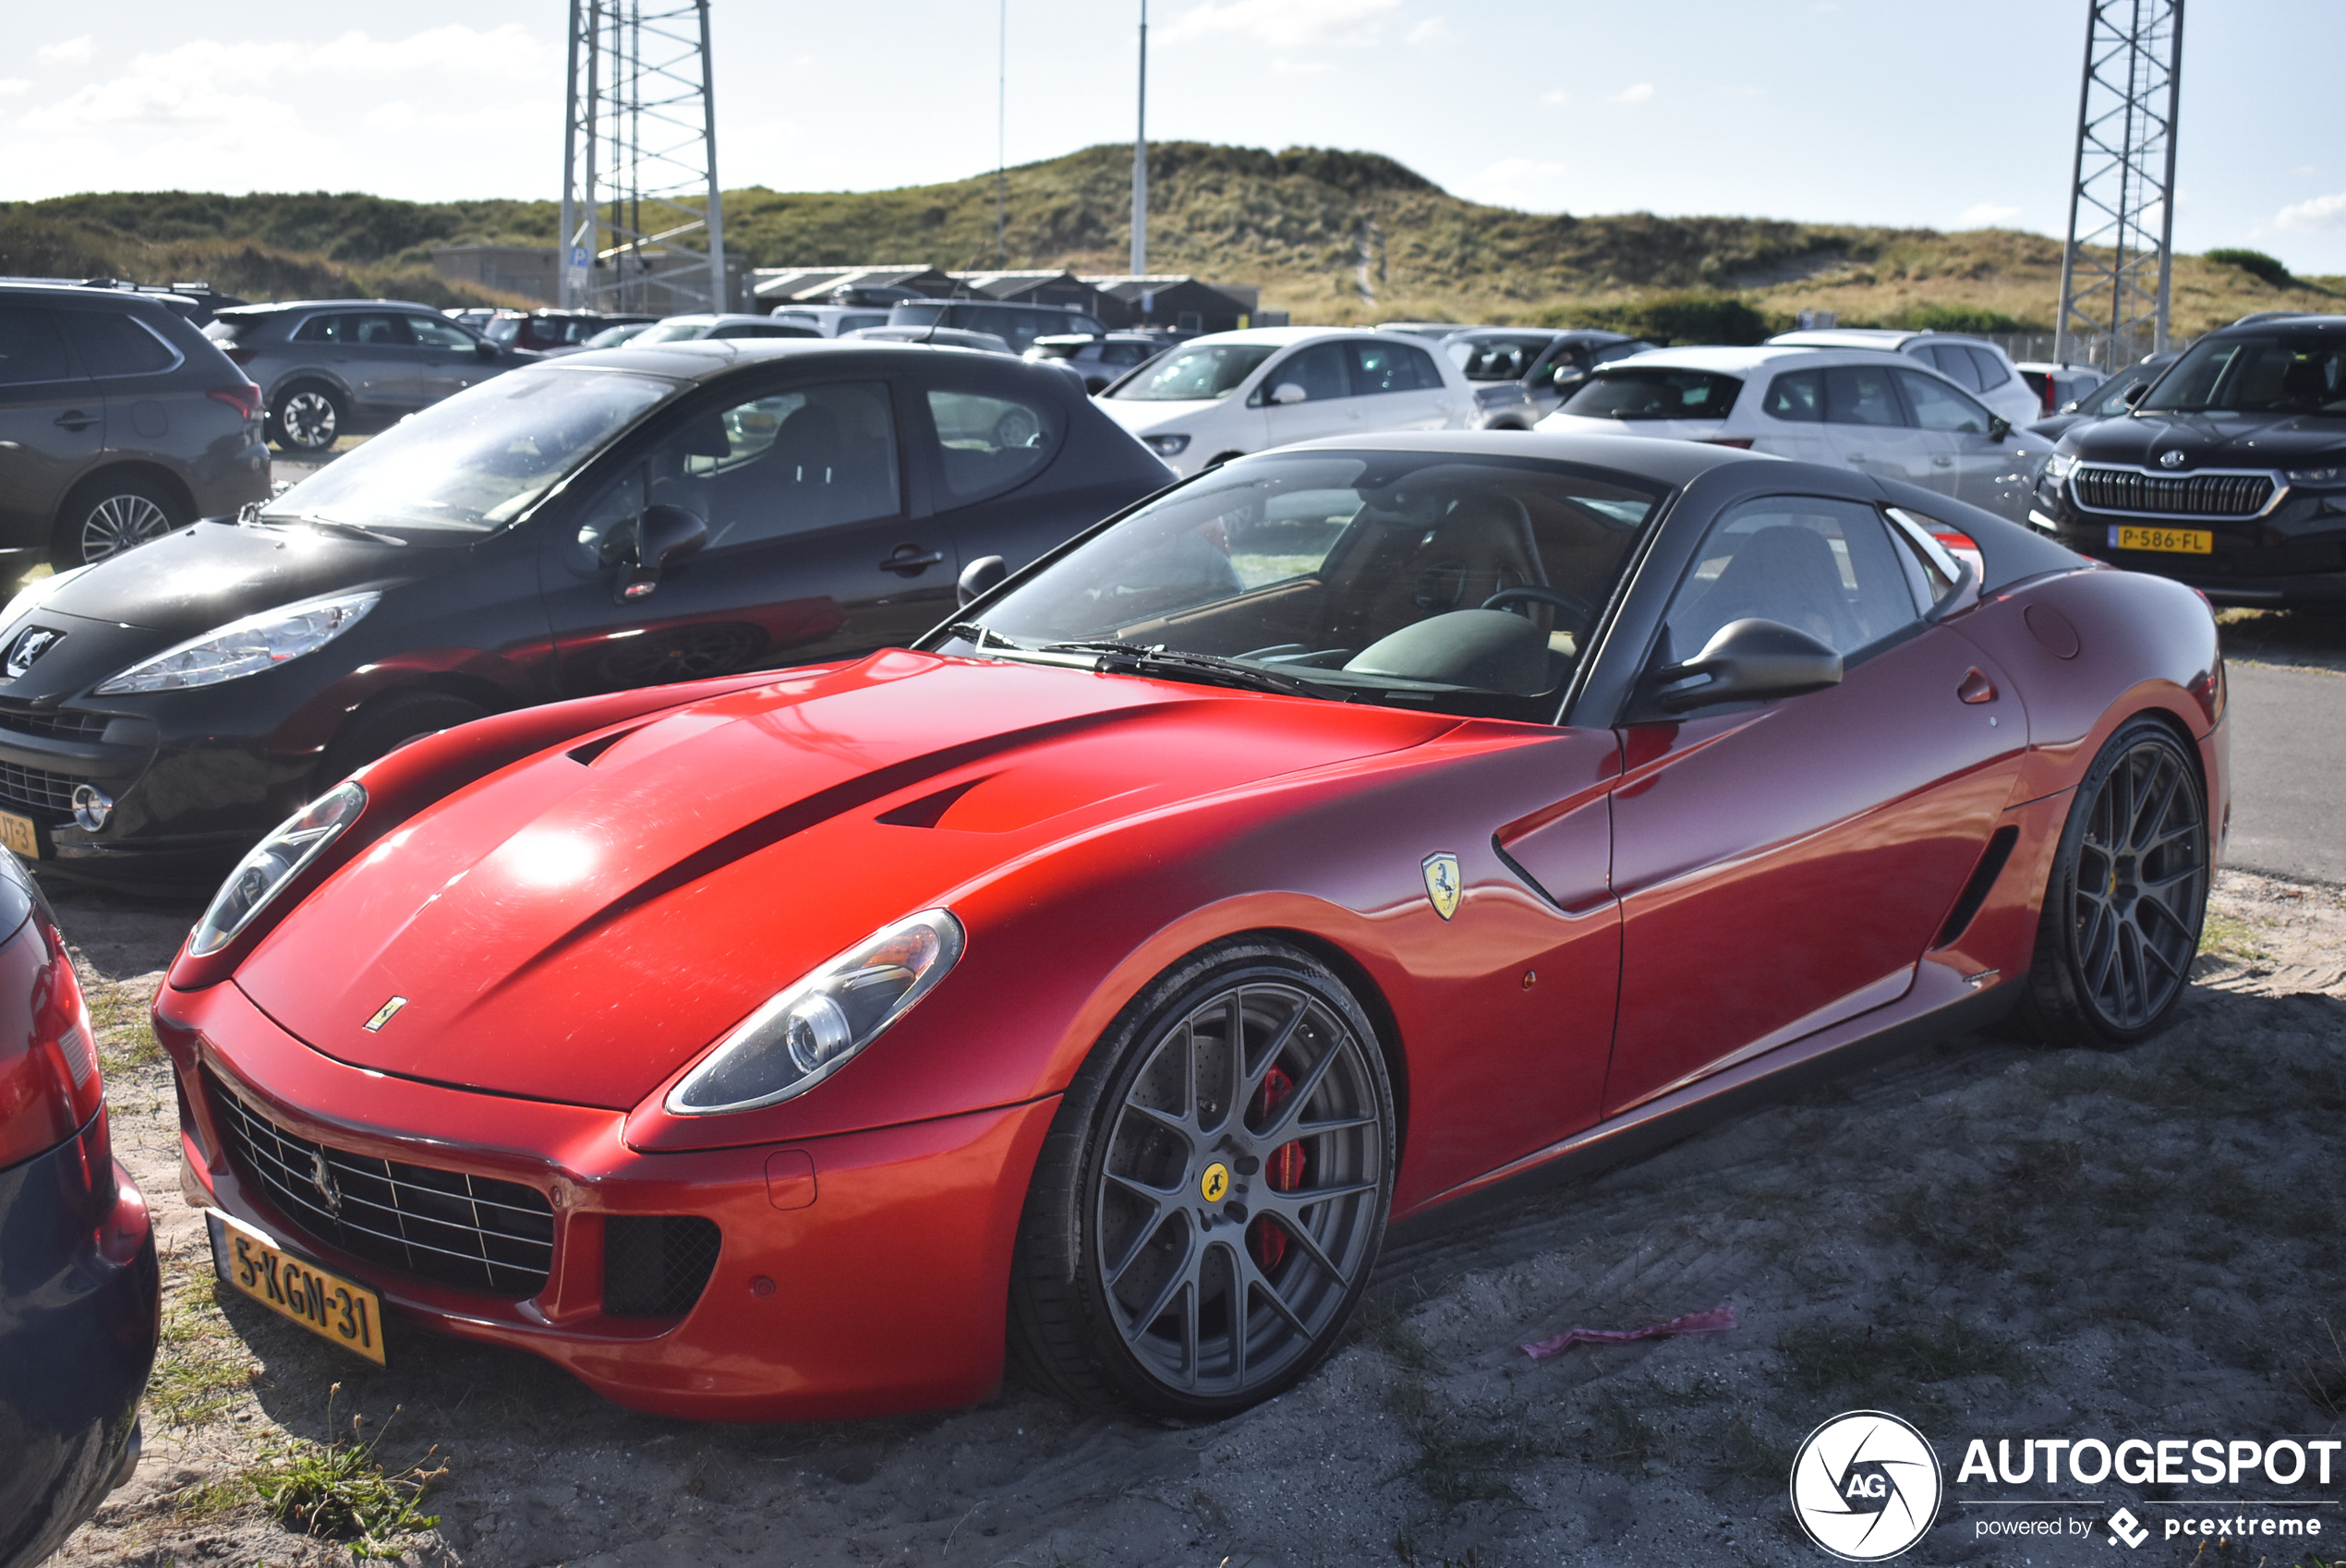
642, 227
2115, 273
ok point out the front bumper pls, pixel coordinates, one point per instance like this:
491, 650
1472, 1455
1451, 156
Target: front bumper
80, 1303
856, 1275
2294, 554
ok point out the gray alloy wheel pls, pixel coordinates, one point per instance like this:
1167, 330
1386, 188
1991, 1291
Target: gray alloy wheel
1224, 1189
111, 519
2128, 893
307, 418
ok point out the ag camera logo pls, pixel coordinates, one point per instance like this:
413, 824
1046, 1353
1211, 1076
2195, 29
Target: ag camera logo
1865, 1486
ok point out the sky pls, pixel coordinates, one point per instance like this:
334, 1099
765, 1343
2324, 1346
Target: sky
1941, 113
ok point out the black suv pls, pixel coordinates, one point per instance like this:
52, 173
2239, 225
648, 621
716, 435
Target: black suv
119, 422
2230, 473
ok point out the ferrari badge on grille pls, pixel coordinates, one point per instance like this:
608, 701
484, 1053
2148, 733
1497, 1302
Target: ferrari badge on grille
384, 1013
1442, 884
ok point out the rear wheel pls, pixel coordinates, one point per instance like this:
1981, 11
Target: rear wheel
1213, 1192
110, 515
2128, 893
390, 724
307, 419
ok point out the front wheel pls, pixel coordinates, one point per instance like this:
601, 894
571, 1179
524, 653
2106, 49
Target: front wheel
2128, 893
1213, 1192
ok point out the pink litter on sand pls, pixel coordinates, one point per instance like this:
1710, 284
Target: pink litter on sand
1718, 1319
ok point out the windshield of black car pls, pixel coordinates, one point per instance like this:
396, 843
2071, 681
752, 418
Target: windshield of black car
1495, 359
2261, 373
1426, 580
1195, 375
477, 459
1651, 392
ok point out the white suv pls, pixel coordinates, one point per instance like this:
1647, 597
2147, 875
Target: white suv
1877, 412
1228, 393
1975, 365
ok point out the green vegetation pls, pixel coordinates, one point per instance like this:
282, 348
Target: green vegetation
2255, 263
1329, 235
337, 1491
202, 1365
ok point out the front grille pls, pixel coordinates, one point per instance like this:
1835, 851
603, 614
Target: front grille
448, 1226
63, 726
38, 790
2171, 495
655, 1265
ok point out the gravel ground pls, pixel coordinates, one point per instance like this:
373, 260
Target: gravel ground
1986, 1239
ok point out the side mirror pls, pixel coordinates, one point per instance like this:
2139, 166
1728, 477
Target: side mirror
485, 351
979, 578
1566, 377
664, 535
2133, 394
1998, 426
1747, 661
1287, 391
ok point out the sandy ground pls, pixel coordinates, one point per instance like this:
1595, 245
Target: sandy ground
1988, 1239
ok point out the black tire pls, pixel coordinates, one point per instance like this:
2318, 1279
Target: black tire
307, 419
2126, 899
1149, 1238
111, 513
390, 723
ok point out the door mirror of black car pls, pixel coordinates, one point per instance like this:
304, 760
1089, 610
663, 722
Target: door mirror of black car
1998, 426
1287, 391
978, 579
485, 350
1748, 660
2133, 394
664, 537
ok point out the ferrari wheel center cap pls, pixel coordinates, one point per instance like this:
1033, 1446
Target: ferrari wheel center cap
1214, 1182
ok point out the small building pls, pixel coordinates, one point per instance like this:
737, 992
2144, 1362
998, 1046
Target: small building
526, 270
812, 285
1175, 300
1036, 287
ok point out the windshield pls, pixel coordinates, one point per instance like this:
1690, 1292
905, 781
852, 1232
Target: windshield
476, 460
2268, 373
1495, 359
1196, 374
671, 331
1422, 580
1654, 393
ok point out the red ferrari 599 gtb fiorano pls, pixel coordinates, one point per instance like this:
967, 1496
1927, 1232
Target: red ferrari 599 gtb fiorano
1338, 834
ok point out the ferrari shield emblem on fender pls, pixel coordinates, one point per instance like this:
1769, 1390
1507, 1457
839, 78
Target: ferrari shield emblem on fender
1442, 884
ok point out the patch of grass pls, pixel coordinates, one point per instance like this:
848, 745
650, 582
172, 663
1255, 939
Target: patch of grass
338, 1491
2229, 936
201, 1366
119, 1018
207, 1500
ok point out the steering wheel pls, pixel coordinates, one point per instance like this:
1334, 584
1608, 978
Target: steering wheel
1580, 609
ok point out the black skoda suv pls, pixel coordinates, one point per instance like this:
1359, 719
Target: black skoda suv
2230, 473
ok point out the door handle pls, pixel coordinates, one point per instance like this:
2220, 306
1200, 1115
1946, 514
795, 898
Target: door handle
75, 419
911, 560
1976, 687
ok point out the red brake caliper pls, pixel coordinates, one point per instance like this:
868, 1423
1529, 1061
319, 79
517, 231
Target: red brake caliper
1283, 1172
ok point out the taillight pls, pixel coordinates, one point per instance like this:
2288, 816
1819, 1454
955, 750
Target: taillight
245, 398
49, 1082
2052, 390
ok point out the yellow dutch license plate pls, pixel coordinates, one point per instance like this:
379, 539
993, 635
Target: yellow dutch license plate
2179, 541
18, 834
327, 1305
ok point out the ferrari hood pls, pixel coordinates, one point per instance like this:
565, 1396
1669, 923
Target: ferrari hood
579, 925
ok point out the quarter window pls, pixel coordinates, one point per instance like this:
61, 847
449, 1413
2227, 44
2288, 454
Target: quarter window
1992, 373
1824, 567
987, 444
788, 463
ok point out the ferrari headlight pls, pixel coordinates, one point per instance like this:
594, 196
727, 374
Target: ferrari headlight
809, 1031
274, 862
246, 647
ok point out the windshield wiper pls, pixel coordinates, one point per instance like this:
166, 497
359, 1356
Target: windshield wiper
1134, 659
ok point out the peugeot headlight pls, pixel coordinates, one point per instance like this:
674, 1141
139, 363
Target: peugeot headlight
274, 862
246, 647
809, 1031
2058, 465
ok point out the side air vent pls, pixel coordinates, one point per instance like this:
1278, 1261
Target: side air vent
585, 755
655, 1265
1975, 892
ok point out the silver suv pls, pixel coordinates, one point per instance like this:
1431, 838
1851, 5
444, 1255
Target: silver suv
118, 423
335, 368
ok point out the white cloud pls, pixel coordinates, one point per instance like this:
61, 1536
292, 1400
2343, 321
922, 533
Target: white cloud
1987, 214
72, 51
1556, 96
1433, 30
2321, 213
11, 85
1635, 92
1284, 24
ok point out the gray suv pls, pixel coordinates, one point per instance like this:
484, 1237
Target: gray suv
335, 368
118, 422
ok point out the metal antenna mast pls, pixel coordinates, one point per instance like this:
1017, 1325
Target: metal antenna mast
2115, 273
642, 226
1140, 159
1001, 137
